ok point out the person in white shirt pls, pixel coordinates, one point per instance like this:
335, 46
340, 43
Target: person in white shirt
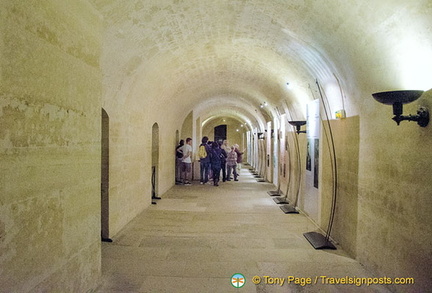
187, 161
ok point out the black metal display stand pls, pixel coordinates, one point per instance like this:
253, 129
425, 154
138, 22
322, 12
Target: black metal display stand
288, 209
280, 200
318, 241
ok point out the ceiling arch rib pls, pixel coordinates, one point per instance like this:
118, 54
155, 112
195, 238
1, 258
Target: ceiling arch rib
237, 105
220, 116
233, 125
244, 66
184, 50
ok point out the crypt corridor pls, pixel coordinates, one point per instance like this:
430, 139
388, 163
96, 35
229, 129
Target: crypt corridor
96, 94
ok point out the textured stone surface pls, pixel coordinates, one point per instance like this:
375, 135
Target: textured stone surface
394, 231
50, 97
198, 236
158, 61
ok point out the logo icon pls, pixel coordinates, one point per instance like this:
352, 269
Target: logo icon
238, 280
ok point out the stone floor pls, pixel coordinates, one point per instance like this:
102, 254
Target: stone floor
197, 237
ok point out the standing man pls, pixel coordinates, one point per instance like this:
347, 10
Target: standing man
227, 149
187, 161
179, 156
223, 160
204, 157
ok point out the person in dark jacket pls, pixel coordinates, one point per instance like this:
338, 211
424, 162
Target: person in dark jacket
179, 156
216, 162
223, 161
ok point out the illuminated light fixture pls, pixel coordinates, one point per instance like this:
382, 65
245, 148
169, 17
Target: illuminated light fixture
298, 125
397, 99
237, 130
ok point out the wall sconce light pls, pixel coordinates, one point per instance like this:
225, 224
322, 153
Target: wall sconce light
298, 125
397, 99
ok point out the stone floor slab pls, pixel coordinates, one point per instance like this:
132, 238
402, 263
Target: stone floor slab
198, 236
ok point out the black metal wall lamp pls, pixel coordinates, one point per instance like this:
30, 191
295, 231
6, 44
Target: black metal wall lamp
298, 125
397, 99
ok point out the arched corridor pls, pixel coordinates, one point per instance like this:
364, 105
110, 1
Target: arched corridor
198, 236
296, 84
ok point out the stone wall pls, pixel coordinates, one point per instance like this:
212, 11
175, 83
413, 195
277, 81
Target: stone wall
50, 116
395, 203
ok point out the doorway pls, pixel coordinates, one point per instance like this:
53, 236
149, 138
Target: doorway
155, 161
220, 133
105, 177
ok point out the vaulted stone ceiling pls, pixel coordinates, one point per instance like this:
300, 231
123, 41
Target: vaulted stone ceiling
211, 53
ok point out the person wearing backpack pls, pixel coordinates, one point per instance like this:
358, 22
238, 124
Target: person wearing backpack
203, 153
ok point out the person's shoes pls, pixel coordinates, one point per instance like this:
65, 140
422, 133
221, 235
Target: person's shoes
228, 180
201, 183
156, 197
188, 183
235, 179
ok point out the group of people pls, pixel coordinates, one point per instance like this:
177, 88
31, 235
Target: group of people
214, 157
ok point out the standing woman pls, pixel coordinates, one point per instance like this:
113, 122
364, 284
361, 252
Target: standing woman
216, 163
239, 158
232, 164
